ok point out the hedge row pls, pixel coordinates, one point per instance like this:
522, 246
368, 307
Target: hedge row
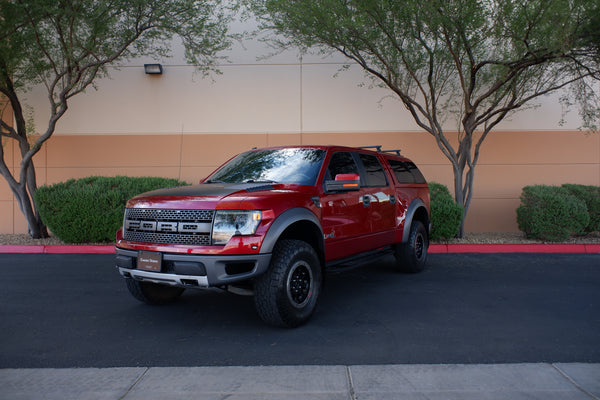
551, 213
554, 213
591, 196
90, 210
446, 214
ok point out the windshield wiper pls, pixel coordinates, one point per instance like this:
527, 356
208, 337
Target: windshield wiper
259, 181
214, 181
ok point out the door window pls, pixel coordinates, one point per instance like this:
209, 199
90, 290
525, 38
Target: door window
341, 163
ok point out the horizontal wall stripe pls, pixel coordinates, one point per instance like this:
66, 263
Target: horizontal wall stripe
191, 157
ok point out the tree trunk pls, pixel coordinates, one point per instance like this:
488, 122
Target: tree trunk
458, 195
35, 226
24, 188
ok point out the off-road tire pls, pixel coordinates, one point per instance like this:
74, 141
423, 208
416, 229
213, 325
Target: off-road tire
286, 295
153, 293
412, 255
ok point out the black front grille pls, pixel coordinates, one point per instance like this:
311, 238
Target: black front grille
165, 215
150, 214
167, 238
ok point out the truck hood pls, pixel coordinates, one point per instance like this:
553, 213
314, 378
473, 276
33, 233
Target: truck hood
208, 190
190, 196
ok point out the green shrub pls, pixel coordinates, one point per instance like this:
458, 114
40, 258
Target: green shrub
551, 213
90, 210
446, 215
591, 196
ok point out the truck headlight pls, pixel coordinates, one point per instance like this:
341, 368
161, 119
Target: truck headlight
230, 223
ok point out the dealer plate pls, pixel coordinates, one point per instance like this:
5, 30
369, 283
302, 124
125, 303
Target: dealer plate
149, 261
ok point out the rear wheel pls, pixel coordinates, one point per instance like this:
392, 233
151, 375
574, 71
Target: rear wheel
153, 293
412, 255
286, 295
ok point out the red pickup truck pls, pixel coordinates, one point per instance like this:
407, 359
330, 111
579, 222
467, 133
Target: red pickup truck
271, 221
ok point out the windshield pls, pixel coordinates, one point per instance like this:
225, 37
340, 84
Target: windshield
294, 165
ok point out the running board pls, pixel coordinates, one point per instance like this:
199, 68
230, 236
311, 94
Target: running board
358, 260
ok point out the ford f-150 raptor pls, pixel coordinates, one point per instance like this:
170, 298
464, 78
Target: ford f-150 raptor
273, 220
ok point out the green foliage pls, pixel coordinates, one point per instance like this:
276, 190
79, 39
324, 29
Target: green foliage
90, 210
590, 34
65, 46
75, 39
591, 196
446, 214
462, 63
439, 55
551, 213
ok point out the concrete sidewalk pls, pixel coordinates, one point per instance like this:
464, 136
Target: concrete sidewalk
393, 382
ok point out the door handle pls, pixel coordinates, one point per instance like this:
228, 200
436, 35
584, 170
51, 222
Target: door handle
366, 200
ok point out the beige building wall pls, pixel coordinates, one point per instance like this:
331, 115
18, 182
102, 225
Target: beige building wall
182, 125
510, 161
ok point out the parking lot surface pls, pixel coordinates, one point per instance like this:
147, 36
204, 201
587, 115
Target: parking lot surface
471, 326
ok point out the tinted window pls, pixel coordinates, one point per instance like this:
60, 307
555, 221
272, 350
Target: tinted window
293, 165
406, 172
341, 163
375, 175
419, 178
402, 173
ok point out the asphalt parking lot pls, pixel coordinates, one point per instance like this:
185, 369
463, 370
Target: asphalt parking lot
472, 326
73, 310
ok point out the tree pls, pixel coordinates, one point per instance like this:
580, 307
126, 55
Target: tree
67, 45
467, 64
590, 30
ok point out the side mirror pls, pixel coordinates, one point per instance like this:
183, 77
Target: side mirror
343, 183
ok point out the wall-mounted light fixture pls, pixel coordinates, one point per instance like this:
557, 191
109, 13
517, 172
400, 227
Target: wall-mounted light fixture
153, 69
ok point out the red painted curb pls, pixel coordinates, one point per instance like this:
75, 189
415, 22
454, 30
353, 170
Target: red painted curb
58, 249
515, 248
22, 249
84, 249
433, 248
592, 248
438, 248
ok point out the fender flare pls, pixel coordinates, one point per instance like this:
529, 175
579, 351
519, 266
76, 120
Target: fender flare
283, 221
410, 213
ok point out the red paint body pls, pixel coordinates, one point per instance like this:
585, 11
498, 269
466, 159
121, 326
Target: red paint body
352, 221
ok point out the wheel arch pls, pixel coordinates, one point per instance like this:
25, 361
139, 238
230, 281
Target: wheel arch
296, 223
417, 210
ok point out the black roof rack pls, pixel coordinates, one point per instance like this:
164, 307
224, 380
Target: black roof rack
379, 150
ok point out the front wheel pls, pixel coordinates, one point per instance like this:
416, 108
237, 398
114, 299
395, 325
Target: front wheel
412, 255
153, 293
286, 295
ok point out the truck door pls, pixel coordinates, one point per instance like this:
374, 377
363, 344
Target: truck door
345, 219
380, 200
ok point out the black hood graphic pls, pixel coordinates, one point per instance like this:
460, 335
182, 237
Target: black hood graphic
209, 189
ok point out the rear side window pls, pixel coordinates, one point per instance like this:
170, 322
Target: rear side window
419, 178
374, 171
406, 172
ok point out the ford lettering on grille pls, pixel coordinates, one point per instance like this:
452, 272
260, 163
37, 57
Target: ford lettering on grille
168, 226
161, 226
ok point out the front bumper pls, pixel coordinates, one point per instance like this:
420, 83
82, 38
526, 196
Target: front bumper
190, 271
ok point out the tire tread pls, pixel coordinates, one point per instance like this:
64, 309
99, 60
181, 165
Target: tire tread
268, 287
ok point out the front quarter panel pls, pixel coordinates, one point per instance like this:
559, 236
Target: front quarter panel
283, 221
